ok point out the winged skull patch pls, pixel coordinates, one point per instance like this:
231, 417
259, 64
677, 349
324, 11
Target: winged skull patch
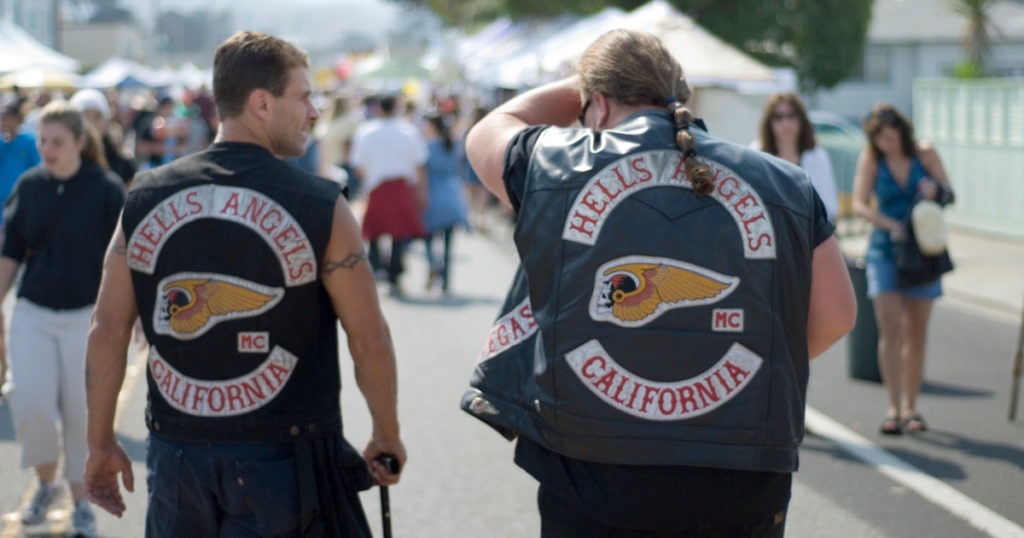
189, 304
635, 290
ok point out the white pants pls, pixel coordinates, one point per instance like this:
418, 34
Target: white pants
47, 384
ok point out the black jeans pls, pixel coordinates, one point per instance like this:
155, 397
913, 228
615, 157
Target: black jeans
394, 265
560, 519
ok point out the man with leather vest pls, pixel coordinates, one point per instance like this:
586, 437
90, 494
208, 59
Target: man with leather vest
239, 267
652, 354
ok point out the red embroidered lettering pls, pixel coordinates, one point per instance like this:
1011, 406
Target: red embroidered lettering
638, 166
296, 273
738, 374
728, 187
582, 223
178, 217
680, 171
649, 393
622, 179
687, 401
200, 397
216, 399
762, 240
669, 407
606, 380
618, 390
745, 202
231, 205
707, 392
253, 210
194, 203
271, 220
660, 400
586, 367
253, 390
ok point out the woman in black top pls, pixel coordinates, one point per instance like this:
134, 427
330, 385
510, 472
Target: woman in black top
58, 221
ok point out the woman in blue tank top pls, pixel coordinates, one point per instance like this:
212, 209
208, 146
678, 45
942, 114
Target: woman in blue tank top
894, 168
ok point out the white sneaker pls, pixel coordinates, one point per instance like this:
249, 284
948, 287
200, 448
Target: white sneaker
83, 520
42, 501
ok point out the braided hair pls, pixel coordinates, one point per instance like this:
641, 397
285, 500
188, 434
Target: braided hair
700, 175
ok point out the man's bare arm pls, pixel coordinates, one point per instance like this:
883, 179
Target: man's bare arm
833, 307
106, 361
348, 279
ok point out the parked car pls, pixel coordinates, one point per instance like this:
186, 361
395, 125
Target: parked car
843, 140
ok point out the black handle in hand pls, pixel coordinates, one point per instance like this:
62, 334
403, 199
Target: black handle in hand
391, 464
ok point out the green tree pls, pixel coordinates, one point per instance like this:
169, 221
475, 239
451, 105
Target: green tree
822, 39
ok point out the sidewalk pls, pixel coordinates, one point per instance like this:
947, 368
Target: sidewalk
988, 273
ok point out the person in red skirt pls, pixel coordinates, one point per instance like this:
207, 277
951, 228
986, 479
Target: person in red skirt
390, 155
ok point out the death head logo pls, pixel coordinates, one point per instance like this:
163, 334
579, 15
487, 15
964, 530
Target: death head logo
634, 290
189, 304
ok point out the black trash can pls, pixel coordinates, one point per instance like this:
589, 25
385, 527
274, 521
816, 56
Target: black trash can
862, 342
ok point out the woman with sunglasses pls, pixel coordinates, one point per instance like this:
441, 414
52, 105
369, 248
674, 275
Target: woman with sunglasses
786, 132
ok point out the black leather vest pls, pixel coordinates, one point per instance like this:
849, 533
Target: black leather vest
649, 325
224, 248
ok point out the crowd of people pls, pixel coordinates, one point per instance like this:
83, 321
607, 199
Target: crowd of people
112, 202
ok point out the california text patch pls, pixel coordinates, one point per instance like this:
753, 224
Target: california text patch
660, 401
635, 290
227, 397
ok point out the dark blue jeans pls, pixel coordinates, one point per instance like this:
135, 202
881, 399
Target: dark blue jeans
202, 490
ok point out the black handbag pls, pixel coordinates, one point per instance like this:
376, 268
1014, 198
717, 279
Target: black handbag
913, 268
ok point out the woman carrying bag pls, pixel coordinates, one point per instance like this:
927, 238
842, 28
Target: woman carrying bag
898, 171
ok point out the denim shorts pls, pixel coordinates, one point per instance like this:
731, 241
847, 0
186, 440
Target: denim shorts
881, 276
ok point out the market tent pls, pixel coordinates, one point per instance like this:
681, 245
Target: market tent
730, 88
706, 59
40, 77
119, 73
507, 54
19, 50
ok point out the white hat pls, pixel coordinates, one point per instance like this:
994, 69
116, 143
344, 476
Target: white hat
90, 99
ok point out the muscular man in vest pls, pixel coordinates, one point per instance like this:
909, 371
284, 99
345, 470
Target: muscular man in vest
652, 355
239, 267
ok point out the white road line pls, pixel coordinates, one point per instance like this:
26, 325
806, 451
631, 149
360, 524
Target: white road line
932, 489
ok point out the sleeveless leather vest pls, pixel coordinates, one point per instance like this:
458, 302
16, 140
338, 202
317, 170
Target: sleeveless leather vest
648, 325
224, 248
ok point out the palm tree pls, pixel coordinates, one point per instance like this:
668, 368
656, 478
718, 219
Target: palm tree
978, 31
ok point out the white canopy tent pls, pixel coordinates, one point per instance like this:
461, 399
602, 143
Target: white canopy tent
120, 73
20, 51
729, 87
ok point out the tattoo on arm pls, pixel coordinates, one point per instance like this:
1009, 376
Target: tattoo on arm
349, 262
119, 249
